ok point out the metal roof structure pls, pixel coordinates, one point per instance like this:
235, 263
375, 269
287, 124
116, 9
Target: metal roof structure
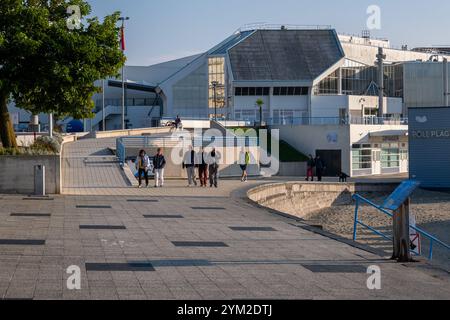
285, 55
236, 38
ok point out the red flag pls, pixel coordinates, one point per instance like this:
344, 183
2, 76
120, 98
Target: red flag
122, 39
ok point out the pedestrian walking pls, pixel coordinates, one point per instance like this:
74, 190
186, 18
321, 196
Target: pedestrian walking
311, 164
320, 168
189, 163
213, 161
159, 164
142, 166
244, 161
203, 167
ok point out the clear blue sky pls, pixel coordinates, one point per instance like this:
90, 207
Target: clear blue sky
161, 30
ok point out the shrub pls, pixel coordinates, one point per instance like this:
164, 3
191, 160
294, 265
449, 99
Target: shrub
47, 145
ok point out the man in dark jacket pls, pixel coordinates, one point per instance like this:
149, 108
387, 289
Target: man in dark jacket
202, 167
189, 163
214, 158
159, 164
320, 168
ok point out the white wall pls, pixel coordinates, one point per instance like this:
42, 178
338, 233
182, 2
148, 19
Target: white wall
328, 106
308, 139
289, 102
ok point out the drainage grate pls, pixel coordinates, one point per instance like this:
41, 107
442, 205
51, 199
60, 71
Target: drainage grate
207, 208
263, 229
199, 244
157, 216
100, 227
14, 242
143, 200
138, 267
335, 268
93, 207
31, 215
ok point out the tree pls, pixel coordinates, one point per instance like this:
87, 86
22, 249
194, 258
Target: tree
260, 104
47, 67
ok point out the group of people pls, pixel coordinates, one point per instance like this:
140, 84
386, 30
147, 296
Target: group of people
143, 165
207, 165
315, 166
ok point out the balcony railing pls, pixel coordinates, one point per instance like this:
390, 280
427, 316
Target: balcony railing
320, 121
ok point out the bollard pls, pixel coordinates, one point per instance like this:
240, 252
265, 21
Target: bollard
39, 180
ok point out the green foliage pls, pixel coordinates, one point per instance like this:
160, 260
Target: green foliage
49, 68
260, 102
46, 144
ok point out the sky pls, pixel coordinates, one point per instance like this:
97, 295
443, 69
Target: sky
163, 30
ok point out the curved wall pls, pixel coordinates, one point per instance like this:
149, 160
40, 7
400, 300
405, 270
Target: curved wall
300, 199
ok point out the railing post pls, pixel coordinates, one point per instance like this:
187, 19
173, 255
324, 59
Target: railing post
431, 250
355, 227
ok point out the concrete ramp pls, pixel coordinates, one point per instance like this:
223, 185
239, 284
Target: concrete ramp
88, 164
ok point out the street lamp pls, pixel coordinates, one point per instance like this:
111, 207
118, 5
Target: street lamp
122, 40
214, 85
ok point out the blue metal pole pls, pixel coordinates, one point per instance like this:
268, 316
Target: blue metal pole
355, 227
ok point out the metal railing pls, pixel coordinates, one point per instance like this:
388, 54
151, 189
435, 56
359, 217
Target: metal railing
321, 121
268, 26
433, 240
179, 141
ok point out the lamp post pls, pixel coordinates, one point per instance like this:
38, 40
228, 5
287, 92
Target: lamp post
103, 106
214, 85
122, 40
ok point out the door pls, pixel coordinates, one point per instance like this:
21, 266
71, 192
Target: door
332, 160
376, 162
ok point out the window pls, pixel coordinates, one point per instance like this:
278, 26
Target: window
290, 91
362, 157
252, 91
216, 69
390, 156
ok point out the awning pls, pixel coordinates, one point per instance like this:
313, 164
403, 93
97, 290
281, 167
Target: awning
132, 86
390, 133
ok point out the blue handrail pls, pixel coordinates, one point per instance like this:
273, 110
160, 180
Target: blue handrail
359, 198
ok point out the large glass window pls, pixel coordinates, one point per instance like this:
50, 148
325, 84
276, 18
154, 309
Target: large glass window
216, 71
362, 157
390, 156
358, 79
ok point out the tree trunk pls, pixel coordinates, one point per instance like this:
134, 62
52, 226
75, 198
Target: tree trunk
402, 252
7, 134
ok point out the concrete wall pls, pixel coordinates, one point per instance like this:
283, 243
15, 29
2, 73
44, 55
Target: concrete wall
292, 169
300, 199
17, 173
368, 54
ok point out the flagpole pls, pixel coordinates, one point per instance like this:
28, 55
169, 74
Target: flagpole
122, 40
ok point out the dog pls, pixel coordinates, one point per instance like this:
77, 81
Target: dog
343, 177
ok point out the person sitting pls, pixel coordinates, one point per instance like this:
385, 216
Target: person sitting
178, 123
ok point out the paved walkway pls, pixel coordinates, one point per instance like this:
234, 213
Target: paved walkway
198, 247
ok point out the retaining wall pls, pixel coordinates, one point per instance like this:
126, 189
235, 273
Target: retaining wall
17, 174
300, 199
